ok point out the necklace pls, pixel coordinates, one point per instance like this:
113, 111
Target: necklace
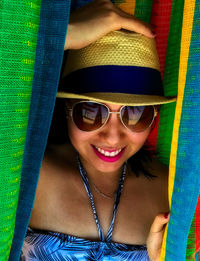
117, 200
86, 180
103, 194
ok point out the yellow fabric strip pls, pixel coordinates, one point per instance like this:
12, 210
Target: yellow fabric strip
188, 16
127, 6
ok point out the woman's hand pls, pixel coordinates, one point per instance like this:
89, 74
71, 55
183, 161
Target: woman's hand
155, 237
94, 20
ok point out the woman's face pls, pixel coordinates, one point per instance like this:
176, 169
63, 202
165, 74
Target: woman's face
113, 137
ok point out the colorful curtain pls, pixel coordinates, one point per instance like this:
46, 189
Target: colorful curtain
32, 40
31, 51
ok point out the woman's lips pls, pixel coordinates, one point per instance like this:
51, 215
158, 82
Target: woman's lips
109, 158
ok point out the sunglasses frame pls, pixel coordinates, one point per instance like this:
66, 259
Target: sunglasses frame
70, 110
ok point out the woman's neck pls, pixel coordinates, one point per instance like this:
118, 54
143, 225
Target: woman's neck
106, 180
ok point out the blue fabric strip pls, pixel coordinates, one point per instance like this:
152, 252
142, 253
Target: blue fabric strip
49, 54
187, 178
116, 79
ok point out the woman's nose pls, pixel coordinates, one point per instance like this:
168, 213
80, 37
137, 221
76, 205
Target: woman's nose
113, 131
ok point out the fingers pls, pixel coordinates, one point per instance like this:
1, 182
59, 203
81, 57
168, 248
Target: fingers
132, 23
96, 19
155, 237
159, 222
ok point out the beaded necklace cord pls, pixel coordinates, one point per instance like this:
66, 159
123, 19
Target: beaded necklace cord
117, 199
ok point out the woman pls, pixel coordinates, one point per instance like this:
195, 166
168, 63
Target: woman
91, 174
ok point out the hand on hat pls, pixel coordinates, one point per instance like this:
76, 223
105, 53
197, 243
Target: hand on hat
94, 20
155, 237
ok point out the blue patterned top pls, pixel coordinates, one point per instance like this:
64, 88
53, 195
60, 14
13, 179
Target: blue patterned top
52, 246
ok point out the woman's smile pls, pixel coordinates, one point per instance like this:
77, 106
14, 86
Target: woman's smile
108, 155
108, 152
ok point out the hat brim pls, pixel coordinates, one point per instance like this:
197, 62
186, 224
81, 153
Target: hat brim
119, 98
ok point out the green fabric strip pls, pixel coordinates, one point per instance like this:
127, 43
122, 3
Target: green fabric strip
18, 29
143, 9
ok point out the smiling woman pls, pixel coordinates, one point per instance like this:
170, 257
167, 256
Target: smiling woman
96, 146
59, 135
93, 201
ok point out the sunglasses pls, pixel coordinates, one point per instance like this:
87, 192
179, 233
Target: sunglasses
91, 116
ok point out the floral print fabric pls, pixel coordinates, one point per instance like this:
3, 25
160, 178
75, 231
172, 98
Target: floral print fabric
52, 246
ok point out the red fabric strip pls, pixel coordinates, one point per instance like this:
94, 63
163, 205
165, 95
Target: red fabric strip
160, 19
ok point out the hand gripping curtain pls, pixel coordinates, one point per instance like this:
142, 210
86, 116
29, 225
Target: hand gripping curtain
31, 57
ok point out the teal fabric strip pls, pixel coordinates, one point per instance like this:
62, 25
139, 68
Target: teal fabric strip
187, 178
49, 54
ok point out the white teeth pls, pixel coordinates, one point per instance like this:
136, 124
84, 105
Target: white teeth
109, 154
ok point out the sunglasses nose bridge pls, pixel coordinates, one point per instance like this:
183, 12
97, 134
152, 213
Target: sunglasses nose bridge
116, 113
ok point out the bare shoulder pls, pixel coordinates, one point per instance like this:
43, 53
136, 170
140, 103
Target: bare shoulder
57, 161
55, 173
59, 155
161, 171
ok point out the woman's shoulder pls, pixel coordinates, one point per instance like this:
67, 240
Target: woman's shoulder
59, 151
55, 179
59, 159
58, 166
161, 173
159, 184
156, 188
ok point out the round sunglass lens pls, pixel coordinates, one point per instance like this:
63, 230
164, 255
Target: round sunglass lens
89, 116
137, 118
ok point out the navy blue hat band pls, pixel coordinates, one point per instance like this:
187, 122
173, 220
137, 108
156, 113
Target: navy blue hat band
115, 79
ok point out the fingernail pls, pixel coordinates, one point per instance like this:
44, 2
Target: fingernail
166, 215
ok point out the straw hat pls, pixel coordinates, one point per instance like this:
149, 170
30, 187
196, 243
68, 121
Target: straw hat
120, 68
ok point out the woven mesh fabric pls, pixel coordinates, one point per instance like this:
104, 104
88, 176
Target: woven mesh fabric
169, 67
181, 11
18, 29
170, 80
189, 125
47, 65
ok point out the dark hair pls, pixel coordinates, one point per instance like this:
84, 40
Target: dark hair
58, 135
